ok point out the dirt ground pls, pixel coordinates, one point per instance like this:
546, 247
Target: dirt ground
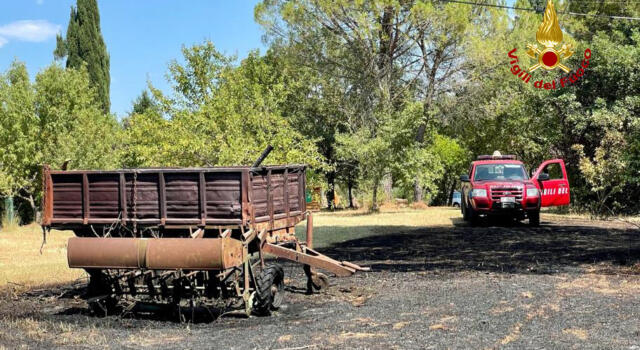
569, 284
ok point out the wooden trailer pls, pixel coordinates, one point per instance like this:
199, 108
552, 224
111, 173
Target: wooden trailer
185, 236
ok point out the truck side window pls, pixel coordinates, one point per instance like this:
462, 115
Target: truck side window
554, 170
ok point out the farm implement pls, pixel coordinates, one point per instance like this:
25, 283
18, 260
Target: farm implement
186, 237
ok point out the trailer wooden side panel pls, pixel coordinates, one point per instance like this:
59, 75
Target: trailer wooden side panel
171, 196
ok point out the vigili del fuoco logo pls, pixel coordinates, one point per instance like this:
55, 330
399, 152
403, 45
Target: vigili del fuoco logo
550, 56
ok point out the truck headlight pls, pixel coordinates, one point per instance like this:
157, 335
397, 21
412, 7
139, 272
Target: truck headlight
478, 192
532, 192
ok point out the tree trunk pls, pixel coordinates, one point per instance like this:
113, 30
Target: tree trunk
9, 213
417, 190
387, 185
34, 208
426, 105
374, 199
453, 188
350, 187
331, 182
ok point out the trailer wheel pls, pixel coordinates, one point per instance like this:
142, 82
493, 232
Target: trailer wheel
100, 295
320, 281
269, 290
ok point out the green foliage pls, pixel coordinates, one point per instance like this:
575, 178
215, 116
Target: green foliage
454, 160
84, 45
144, 103
363, 91
18, 130
71, 122
372, 59
218, 115
604, 174
54, 119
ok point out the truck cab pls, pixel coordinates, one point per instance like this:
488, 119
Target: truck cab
500, 185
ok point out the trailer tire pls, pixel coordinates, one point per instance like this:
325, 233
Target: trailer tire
269, 290
99, 286
319, 281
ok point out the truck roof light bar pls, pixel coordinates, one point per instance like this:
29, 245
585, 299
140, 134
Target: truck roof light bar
500, 157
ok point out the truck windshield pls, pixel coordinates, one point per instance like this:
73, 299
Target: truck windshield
499, 172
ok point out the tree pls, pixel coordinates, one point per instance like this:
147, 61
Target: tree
218, 114
442, 34
354, 51
383, 55
455, 160
84, 45
143, 103
56, 119
604, 174
17, 132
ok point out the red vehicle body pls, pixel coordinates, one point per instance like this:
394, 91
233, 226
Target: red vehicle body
500, 185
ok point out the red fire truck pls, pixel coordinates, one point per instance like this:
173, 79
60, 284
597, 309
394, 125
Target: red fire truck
500, 185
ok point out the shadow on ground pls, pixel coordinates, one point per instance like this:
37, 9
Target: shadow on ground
494, 246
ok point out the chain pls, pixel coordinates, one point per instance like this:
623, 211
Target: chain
135, 203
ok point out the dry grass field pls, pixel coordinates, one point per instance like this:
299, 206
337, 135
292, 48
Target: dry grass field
21, 264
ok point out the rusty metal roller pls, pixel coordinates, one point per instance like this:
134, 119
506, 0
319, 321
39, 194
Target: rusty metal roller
155, 253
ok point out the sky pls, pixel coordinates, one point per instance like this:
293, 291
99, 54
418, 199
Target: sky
142, 36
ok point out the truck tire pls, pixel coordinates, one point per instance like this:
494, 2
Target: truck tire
269, 290
534, 218
470, 215
465, 212
473, 217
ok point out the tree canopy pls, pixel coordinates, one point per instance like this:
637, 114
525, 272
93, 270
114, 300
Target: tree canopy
83, 45
383, 95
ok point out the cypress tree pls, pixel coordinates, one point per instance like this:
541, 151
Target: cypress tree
84, 45
143, 103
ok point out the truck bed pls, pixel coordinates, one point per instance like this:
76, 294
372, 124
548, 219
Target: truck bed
214, 196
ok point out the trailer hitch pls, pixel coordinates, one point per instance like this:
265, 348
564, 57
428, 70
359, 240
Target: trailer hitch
310, 258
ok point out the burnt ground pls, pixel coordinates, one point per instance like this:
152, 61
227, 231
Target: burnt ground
564, 285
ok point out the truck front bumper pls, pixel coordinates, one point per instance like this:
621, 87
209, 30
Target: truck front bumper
484, 205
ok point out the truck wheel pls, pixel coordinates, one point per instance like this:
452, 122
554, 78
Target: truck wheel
534, 218
465, 212
470, 215
473, 217
269, 290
